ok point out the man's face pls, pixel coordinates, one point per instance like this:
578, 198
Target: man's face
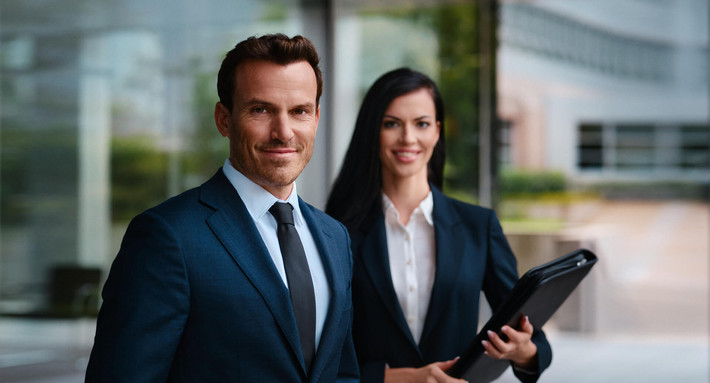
273, 122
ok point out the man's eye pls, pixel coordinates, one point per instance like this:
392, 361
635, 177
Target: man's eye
300, 111
258, 110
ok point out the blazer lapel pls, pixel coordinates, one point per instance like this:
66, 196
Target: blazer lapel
233, 226
449, 250
375, 258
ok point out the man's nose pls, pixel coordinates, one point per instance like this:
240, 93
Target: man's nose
281, 128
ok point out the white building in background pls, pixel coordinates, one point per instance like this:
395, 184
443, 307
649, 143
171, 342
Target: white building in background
606, 90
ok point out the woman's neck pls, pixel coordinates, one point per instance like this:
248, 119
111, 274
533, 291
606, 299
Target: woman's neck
406, 194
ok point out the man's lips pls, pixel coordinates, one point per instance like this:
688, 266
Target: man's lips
279, 152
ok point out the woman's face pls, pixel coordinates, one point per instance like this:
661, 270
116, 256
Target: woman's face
408, 135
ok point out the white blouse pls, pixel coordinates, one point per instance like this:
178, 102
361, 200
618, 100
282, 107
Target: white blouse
412, 259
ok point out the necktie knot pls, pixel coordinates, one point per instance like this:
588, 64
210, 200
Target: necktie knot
283, 212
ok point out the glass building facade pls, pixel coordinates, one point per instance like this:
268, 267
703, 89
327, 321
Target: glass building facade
107, 110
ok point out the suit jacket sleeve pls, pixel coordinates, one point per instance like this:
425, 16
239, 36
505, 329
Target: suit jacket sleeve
145, 306
500, 277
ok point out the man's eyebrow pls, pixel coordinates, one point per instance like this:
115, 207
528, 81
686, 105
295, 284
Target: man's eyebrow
308, 105
260, 102
256, 101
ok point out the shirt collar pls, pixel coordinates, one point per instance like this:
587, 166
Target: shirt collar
425, 208
257, 200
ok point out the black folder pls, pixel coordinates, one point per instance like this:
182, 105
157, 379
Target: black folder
538, 294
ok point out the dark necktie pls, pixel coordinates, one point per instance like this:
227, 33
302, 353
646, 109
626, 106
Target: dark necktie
298, 275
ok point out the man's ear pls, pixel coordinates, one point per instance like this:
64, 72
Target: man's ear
317, 116
221, 118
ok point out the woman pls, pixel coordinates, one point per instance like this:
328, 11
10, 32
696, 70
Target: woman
421, 258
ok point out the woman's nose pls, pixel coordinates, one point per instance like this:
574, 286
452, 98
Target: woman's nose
407, 135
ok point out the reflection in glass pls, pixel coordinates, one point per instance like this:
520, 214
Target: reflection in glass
107, 110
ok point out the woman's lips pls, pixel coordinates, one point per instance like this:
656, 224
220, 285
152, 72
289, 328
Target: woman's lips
406, 155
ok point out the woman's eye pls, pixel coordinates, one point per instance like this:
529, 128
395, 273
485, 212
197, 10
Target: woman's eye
390, 124
423, 124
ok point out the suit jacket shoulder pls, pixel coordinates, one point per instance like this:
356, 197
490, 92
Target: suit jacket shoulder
447, 209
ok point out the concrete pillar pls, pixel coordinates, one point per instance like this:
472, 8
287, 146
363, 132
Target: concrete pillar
94, 151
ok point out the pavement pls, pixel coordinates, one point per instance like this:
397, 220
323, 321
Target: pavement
56, 351
647, 303
653, 278
44, 350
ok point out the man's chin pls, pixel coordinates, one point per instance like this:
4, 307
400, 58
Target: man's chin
281, 179
273, 175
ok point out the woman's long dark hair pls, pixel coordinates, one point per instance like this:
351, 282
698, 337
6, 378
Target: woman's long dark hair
357, 188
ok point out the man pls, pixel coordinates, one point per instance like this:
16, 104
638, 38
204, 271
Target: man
202, 290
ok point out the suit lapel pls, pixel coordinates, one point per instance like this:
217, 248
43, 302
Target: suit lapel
328, 249
449, 250
235, 229
374, 255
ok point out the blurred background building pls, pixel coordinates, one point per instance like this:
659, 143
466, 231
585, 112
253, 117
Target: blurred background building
584, 123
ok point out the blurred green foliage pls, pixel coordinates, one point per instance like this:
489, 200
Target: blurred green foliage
525, 182
138, 176
38, 170
206, 149
458, 30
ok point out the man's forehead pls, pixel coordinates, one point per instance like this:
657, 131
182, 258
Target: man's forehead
267, 81
249, 66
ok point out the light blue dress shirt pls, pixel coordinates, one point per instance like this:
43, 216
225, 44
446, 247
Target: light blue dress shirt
258, 201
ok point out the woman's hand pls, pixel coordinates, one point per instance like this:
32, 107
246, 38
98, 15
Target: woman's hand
519, 348
431, 373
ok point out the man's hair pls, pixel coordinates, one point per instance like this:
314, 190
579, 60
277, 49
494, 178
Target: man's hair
276, 48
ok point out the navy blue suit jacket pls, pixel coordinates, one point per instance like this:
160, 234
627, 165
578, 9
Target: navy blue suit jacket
193, 296
472, 255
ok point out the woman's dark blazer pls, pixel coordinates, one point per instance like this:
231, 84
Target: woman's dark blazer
472, 255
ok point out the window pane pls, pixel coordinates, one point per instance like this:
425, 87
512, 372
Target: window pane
695, 149
590, 146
